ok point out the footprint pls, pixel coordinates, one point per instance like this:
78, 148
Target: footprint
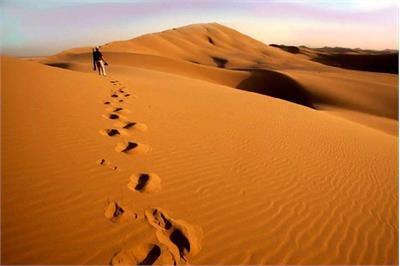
158, 220
113, 116
107, 102
132, 125
152, 256
114, 212
120, 110
182, 239
145, 183
142, 182
114, 95
126, 95
128, 147
144, 254
129, 125
103, 162
112, 132
131, 147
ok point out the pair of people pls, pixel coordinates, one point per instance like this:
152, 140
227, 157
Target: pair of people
99, 62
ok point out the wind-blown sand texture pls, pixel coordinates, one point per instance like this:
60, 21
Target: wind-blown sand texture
202, 146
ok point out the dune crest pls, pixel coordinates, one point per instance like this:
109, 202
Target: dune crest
218, 54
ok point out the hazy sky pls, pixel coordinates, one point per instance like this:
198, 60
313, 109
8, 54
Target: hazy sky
43, 27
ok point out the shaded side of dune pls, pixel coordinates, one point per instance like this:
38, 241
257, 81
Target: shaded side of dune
276, 85
290, 49
267, 82
63, 65
386, 63
356, 59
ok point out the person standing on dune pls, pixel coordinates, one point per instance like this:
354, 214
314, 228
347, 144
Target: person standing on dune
99, 62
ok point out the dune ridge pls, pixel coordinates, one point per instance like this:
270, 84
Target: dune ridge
253, 66
200, 163
386, 61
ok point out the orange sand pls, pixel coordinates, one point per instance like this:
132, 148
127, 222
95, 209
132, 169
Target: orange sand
199, 169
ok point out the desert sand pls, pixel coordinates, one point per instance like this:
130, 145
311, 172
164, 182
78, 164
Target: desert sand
201, 146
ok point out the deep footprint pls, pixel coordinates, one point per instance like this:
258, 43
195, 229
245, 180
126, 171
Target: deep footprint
114, 95
144, 254
182, 239
130, 146
153, 255
145, 183
133, 125
113, 116
159, 220
129, 125
112, 132
143, 179
114, 212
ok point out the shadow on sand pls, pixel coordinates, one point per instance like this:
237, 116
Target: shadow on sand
276, 85
59, 65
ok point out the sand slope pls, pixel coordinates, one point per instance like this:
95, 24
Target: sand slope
385, 61
192, 170
200, 50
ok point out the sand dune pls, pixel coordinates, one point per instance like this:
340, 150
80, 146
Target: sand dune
202, 146
386, 61
255, 67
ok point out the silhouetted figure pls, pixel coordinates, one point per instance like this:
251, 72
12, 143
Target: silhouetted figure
99, 62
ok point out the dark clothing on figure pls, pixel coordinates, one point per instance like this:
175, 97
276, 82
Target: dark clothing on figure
98, 62
97, 55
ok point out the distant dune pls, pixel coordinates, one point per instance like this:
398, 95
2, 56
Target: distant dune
386, 61
201, 146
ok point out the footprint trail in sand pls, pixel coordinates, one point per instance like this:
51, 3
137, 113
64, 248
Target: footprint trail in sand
177, 240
